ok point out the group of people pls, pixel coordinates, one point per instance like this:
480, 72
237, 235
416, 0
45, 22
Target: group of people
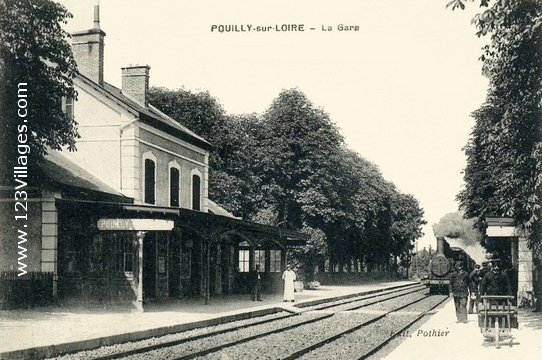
288, 277
487, 280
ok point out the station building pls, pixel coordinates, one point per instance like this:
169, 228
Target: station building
126, 218
505, 232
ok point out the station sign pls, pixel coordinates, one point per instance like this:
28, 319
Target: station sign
501, 231
135, 224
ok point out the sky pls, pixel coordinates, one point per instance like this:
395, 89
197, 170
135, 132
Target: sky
401, 88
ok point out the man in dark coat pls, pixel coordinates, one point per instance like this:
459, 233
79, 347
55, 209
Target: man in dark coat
495, 282
484, 270
256, 283
474, 287
459, 289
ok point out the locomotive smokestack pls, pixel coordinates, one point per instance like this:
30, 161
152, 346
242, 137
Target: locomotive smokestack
440, 245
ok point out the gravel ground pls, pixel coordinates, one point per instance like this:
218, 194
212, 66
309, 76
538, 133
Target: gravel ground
283, 344
388, 349
113, 349
384, 305
367, 298
357, 343
214, 341
280, 345
394, 303
423, 305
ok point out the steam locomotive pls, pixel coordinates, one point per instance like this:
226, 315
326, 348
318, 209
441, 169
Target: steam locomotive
442, 264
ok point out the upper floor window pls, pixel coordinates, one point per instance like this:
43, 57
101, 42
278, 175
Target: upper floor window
174, 185
196, 192
149, 186
67, 106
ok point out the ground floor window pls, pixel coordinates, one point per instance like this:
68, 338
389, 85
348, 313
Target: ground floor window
274, 260
123, 259
244, 264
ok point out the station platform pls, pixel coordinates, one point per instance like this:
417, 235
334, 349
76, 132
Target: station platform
466, 342
46, 332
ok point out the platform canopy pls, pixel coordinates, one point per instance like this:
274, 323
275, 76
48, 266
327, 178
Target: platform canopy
209, 225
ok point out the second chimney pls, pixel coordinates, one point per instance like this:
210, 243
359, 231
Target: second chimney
135, 82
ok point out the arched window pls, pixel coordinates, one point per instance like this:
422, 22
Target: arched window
149, 186
196, 192
174, 184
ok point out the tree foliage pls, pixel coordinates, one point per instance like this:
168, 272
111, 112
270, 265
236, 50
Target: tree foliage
34, 51
299, 141
289, 167
504, 154
419, 265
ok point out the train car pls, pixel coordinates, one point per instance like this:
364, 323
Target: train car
441, 266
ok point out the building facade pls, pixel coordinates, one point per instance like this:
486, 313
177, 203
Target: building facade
505, 232
126, 218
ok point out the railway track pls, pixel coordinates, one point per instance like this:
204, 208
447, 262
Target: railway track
308, 334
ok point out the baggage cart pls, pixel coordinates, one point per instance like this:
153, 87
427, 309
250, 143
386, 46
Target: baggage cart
496, 318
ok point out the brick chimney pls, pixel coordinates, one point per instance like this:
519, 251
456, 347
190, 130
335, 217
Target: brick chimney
88, 50
135, 82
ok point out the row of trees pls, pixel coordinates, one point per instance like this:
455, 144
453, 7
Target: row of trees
503, 176
289, 167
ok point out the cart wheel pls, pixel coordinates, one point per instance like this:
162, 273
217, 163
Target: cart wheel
497, 334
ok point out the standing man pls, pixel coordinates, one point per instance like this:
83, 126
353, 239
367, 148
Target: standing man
459, 289
484, 270
474, 287
288, 276
495, 282
256, 284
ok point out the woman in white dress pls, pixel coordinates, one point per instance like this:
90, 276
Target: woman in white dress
288, 276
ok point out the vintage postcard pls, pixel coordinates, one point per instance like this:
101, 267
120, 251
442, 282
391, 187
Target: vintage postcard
244, 180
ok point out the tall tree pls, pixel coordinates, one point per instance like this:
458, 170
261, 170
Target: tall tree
407, 225
299, 139
37, 71
236, 183
508, 133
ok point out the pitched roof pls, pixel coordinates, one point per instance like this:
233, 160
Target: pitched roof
149, 114
216, 209
57, 168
